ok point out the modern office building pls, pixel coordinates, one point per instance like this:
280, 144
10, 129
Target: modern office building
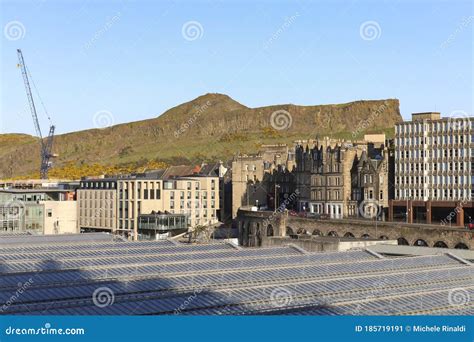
434, 165
118, 204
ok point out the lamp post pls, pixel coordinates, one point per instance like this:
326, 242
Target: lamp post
275, 201
406, 191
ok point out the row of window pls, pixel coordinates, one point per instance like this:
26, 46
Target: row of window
448, 180
413, 167
453, 124
322, 180
97, 195
435, 194
433, 153
211, 214
189, 195
98, 185
330, 195
90, 204
434, 140
197, 204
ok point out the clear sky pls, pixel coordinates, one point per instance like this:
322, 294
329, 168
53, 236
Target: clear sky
135, 59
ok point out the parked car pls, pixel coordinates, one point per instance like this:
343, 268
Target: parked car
470, 225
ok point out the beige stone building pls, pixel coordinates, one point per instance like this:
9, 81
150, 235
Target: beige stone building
252, 183
60, 217
116, 204
97, 205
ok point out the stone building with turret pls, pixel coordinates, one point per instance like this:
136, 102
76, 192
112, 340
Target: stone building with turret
341, 179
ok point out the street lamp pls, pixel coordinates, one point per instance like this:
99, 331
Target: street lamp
275, 201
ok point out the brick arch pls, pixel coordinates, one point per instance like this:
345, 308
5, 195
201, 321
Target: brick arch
302, 231
316, 232
333, 233
349, 235
402, 241
421, 243
289, 230
461, 245
440, 244
365, 236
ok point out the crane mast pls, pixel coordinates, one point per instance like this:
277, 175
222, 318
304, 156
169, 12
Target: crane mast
46, 146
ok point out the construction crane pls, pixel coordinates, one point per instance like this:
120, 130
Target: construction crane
46, 144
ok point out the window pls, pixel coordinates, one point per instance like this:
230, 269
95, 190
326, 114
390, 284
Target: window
50, 213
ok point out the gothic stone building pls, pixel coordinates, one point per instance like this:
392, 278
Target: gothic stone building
339, 179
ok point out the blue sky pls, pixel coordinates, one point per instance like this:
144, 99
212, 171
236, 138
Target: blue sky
132, 59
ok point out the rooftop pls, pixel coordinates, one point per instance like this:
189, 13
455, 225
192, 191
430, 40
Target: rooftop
166, 277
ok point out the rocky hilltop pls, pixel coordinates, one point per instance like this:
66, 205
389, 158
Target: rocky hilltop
212, 126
